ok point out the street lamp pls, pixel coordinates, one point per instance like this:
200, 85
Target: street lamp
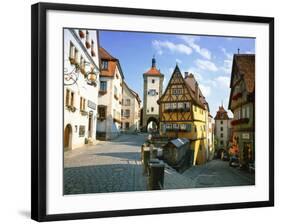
89, 71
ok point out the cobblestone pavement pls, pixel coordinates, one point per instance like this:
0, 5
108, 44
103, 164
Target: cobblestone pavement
115, 166
215, 173
111, 166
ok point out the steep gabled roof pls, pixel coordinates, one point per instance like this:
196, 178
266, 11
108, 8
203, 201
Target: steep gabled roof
133, 92
113, 63
190, 83
105, 55
221, 114
244, 65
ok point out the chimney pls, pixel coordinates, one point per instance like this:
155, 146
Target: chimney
196, 91
186, 75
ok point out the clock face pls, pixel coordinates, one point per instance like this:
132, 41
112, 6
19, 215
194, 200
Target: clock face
152, 92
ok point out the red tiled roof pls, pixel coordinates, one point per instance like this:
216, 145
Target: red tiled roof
153, 71
246, 66
191, 82
105, 55
221, 114
112, 63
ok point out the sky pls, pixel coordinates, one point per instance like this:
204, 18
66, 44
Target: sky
209, 58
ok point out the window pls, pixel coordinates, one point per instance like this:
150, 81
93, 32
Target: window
153, 80
152, 109
221, 135
72, 53
221, 122
103, 86
72, 99
167, 106
176, 126
82, 104
221, 143
115, 93
128, 102
186, 106
102, 112
76, 56
183, 127
221, 128
127, 113
243, 112
176, 91
104, 64
127, 125
67, 97
169, 126
195, 128
248, 112
122, 114
81, 130
188, 127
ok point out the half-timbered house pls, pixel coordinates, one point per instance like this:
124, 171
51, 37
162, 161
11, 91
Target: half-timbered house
242, 105
183, 113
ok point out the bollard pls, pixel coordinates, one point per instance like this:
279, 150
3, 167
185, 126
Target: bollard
156, 177
154, 153
152, 161
146, 159
142, 149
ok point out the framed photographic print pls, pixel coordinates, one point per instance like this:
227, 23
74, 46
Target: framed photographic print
140, 111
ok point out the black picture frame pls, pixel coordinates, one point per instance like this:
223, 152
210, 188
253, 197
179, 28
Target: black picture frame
39, 107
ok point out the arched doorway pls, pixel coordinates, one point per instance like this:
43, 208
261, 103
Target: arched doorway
67, 137
152, 124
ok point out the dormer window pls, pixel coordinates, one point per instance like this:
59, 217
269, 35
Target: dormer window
104, 64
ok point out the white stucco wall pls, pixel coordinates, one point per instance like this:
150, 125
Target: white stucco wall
226, 126
111, 128
80, 89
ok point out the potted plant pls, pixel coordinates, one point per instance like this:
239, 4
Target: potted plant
81, 34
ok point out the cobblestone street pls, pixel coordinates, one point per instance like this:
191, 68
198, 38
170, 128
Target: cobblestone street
216, 173
115, 166
111, 166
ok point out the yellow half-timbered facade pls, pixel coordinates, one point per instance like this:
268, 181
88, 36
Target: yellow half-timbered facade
183, 113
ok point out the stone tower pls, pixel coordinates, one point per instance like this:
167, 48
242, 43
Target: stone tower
152, 90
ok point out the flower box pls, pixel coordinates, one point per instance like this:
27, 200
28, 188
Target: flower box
237, 96
240, 121
81, 34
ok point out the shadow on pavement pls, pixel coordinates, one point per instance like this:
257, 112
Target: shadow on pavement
103, 179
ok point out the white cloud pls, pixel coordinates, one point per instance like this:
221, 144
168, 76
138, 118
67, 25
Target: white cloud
249, 52
195, 46
206, 65
223, 81
178, 61
206, 90
174, 48
227, 62
228, 55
